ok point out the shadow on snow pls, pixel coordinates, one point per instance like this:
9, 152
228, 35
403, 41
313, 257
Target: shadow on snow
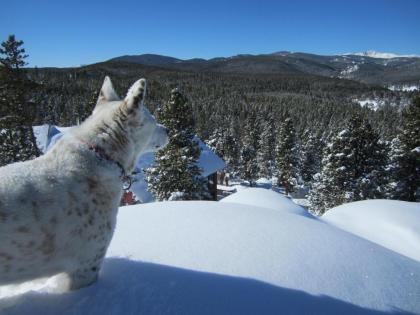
132, 287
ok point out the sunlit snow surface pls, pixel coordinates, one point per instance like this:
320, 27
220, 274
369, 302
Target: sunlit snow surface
390, 223
266, 198
230, 258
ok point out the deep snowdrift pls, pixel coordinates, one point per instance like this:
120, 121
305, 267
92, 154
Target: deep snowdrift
228, 258
390, 223
265, 198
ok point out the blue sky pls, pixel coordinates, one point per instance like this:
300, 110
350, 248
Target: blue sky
68, 33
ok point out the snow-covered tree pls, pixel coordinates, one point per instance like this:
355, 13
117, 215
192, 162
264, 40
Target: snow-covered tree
249, 166
405, 157
267, 144
224, 144
394, 188
353, 168
175, 175
333, 185
310, 156
216, 142
232, 147
286, 156
17, 141
250, 146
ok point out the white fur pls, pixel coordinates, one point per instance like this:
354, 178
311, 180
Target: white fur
58, 212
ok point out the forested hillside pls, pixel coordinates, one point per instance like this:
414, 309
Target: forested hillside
284, 124
65, 96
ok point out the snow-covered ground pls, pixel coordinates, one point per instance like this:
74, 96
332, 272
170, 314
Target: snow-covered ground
389, 223
349, 70
266, 198
237, 258
373, 104
404, 88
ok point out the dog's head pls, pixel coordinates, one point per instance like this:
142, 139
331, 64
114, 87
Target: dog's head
125, 127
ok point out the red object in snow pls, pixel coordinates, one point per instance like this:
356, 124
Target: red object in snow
128, 198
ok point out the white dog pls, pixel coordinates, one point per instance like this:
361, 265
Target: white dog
58, 212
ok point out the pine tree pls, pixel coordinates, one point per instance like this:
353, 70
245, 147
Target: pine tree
217, 142
368, 160
311, 156
232, 147
395, 189
17, 140
333, 185
286, 157
224, 144
405, 156
353, 168
267, 152
14, 54
175, 175
250, 146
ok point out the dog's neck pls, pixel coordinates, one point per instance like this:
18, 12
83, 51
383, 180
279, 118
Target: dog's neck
102, 155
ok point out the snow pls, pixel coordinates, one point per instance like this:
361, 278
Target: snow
404, 88
227, 188
370, 103
177, 195
260, 197
389, 223
381, 55
343, 132
264, 182
303, 202
191, 257
349, 70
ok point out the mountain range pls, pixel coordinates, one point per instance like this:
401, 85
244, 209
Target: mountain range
369, 67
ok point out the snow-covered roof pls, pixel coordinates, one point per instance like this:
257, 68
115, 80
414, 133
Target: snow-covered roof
209, 161
191, 257
44, 134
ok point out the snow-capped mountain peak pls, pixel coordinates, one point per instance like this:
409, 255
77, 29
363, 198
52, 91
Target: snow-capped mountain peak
382, 55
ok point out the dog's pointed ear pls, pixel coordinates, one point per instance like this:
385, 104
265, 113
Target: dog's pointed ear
136, 94
107, 93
